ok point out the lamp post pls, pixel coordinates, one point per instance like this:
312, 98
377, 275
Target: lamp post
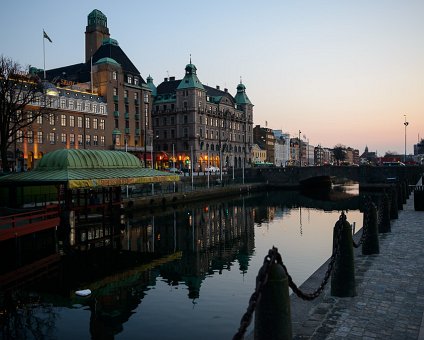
406, 124
300, 150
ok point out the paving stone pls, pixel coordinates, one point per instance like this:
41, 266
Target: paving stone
390, 290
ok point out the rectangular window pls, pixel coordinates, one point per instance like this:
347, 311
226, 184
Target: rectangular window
172, 120
95, 140
29, 117
87, 139
80, 140
79, 106
172, 133
136, 96
63, 120
52, 138
40, 119
71, 104
72, 139
95, 123
115, 91
185, 132
40, 137
116, 124
79, 122
129, 79
30, 137
62, 103
102, 109
71, 121
102, 124
102, 140
135, 81
87, 122
51, 118
114, 76
125, 94
146, 98
19, 136
63, 138
127, 124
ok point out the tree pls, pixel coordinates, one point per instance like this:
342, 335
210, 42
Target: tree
339, 152
22, 102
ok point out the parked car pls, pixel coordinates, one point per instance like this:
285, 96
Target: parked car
175, 171
212, 169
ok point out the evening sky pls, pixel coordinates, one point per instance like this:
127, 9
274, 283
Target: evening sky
338, 71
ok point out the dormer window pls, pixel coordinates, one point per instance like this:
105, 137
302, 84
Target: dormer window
129, 79
114, 75
135, 81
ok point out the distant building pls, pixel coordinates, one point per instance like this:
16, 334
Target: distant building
282, 148
419, 148
368, 157
265, 138
258, 154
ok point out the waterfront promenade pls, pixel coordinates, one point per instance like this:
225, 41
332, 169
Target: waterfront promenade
390, 290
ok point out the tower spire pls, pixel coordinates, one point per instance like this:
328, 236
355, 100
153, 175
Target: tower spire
190, 58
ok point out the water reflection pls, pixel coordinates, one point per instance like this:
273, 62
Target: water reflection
148, 270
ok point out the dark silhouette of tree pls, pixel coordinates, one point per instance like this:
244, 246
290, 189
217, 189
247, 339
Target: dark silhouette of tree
339, 152
22, 101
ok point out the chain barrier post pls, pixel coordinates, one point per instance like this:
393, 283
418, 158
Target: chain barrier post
399, 196
384, 225
394, 215
272, 313
405, 191
343, 276
371, 244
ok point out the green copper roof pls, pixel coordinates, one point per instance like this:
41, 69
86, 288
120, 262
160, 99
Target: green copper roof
88, 169
151, 86
96, 17
87, 159
190, 79
241, 96
107, 61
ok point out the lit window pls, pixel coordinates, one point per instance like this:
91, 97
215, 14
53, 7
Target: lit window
129, 79
102, 140
63, 138
52, 138
80, 140
95, 140
87, 122
63, 120
30, 137
72, 139
102, 124
51, 119
79, 122
71, 121
40, 119
95, 123
114, 75
40, 137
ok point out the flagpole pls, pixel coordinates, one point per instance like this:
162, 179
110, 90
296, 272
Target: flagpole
44, 56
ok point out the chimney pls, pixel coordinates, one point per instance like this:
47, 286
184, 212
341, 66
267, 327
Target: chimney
225, 90
165, 79
217, 87
171, 78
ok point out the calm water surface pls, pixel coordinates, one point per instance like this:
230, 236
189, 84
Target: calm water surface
184, 273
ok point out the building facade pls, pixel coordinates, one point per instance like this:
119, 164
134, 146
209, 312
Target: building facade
197, 126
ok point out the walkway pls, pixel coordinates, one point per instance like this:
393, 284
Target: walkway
390, 291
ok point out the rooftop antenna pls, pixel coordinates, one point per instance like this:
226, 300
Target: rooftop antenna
241, 81
190, 58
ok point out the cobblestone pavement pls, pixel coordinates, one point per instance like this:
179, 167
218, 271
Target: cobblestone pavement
390, 291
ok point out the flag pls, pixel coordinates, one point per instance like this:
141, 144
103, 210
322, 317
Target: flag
46, 36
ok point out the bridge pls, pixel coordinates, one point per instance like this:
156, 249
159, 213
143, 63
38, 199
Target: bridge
366, 176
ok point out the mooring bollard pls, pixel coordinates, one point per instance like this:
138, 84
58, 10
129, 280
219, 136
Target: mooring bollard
371, 244
343, 276
272, 313
394, 215
384, 223
399, 196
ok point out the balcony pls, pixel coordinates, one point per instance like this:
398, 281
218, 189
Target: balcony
116, 114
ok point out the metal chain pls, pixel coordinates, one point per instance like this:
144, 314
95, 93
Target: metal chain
330, 268
365, 227
261, 280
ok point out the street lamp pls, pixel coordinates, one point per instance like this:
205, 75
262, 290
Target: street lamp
406, 124
300, 150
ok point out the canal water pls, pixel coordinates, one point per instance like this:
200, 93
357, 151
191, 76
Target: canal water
182, 273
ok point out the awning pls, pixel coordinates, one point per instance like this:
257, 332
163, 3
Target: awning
162, 156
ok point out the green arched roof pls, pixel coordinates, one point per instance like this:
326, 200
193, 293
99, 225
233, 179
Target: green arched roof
87, 159
78, 168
